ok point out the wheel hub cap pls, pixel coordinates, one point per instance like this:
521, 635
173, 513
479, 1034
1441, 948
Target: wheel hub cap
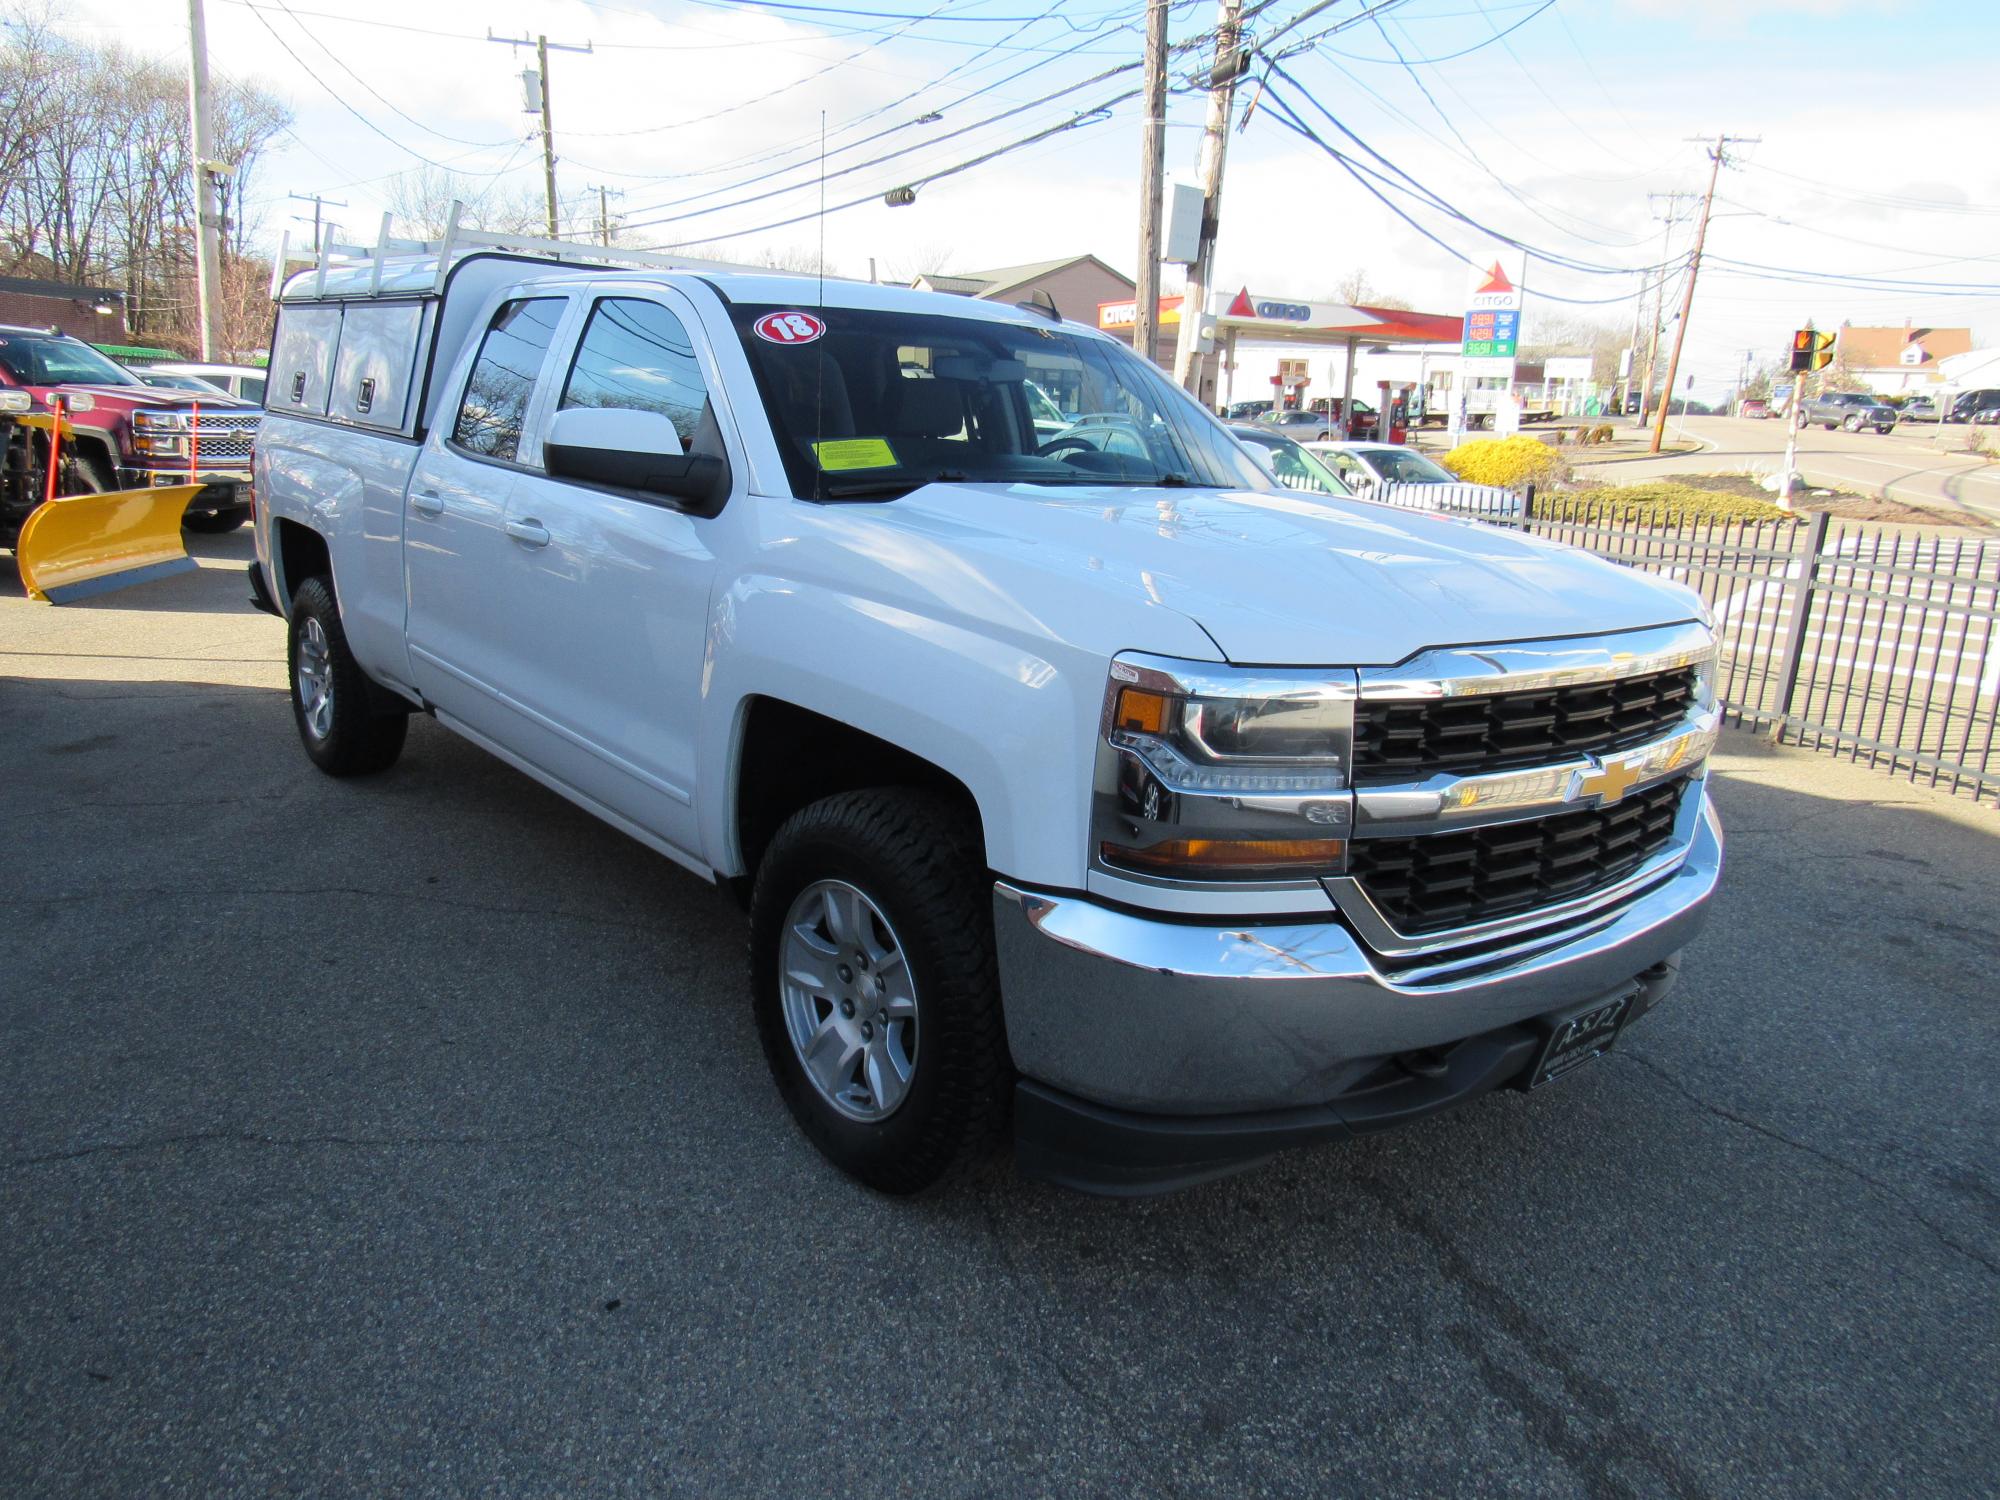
849, 1002
315, 679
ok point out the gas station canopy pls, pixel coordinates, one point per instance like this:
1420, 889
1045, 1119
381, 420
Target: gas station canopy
1266, 319
1280, 320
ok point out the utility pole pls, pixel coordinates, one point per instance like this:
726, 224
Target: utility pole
208, 263
539, 91
604, 195
1668, 219
1230, 64
318, 204
1152, 172
1715, 159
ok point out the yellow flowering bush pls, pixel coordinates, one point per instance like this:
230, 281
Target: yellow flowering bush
1511, 462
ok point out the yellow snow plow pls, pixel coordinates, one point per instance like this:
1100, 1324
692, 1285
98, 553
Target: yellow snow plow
74, 541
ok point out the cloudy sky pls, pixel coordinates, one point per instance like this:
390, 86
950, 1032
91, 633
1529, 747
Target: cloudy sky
1546, 121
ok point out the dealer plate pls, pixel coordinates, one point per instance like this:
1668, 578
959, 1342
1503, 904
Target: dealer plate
1579, 1037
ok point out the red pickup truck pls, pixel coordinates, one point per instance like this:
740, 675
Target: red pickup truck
132, 436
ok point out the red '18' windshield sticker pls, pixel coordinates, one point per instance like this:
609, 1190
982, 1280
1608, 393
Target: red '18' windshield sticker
788, 328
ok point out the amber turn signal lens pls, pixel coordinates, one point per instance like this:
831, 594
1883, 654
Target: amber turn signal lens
1141, 712
1227, 857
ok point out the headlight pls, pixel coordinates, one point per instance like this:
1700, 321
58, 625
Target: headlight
159, 421
1217, 773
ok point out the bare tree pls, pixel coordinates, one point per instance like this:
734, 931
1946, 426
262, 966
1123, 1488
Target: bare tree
926, 259
1354, 290
421, 200
96, 169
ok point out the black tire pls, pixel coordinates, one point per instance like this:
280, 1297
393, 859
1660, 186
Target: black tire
360, 737
919, 859
93, 475
216, 522
1852, 424
1885, 431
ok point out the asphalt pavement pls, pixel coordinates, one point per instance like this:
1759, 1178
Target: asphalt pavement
1914, 463
411, 1136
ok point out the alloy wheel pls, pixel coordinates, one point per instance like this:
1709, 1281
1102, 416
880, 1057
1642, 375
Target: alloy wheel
849, 1000
315, 679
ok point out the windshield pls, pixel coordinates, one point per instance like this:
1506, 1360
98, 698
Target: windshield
1401, 467
872, 404
1296, 468
34, 360
183, 383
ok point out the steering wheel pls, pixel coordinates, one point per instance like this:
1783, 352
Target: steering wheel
1054, 446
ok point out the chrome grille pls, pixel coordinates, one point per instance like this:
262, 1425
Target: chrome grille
227, 437
1433, 882
1409, 739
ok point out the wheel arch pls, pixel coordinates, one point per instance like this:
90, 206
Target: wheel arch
788, 757
300, 553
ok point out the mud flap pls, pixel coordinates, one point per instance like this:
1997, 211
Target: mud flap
75, 546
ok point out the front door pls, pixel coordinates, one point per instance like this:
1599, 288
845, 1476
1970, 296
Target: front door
617, 582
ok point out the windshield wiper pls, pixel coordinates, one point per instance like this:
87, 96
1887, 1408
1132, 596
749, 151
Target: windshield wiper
857, 489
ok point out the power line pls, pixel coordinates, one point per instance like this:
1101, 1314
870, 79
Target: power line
391, 105
336, 96
1082, 119
1070, 88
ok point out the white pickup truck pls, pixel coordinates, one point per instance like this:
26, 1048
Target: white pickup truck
1081, 785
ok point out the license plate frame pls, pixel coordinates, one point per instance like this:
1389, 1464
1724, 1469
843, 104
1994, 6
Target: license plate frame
1581, 1036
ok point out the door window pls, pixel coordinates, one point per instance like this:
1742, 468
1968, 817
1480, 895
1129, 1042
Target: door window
503, 377
637, 356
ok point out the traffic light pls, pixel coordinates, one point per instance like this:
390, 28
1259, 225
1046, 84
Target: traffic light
1811, 350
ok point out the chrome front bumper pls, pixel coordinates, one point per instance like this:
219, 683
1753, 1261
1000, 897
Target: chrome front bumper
1179, 1018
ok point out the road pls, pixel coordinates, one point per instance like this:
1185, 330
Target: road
411, 1136
1909, 464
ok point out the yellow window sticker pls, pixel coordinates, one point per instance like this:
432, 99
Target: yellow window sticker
854, 453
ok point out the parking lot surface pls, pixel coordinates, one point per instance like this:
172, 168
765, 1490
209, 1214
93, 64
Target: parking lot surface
411, 1136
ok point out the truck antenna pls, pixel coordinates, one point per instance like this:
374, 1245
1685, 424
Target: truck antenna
819, 364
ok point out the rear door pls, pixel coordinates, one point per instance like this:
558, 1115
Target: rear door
617, 582
464, 627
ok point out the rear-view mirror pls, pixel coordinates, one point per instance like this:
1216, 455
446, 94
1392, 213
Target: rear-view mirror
636, 450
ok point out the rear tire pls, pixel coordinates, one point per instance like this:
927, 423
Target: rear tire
912, 956
216, 523
333, 703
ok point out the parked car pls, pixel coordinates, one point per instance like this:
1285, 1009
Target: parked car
1291, 464
1245, 411
1363, 421
164, 381
1117, 800
1300, 426
1400, 475
246, 382
1755, 407
135, 435
1974, 406
1852, 410
1920, 409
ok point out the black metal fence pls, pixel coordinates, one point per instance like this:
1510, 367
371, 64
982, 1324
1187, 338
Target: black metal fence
1874, 642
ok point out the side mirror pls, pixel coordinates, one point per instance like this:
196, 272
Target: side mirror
638, 450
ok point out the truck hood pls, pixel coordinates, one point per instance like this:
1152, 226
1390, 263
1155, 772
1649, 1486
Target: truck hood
1281, 579
125, 399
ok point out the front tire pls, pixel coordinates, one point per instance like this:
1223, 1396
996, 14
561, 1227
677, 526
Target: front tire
875, 990
333, 703
1852, 424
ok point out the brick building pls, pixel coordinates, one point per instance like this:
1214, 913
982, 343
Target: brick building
95, 314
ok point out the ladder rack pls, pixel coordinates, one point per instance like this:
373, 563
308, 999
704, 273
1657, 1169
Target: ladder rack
420, 267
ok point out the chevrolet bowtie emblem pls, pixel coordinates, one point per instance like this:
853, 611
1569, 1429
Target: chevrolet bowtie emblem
1608, 783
